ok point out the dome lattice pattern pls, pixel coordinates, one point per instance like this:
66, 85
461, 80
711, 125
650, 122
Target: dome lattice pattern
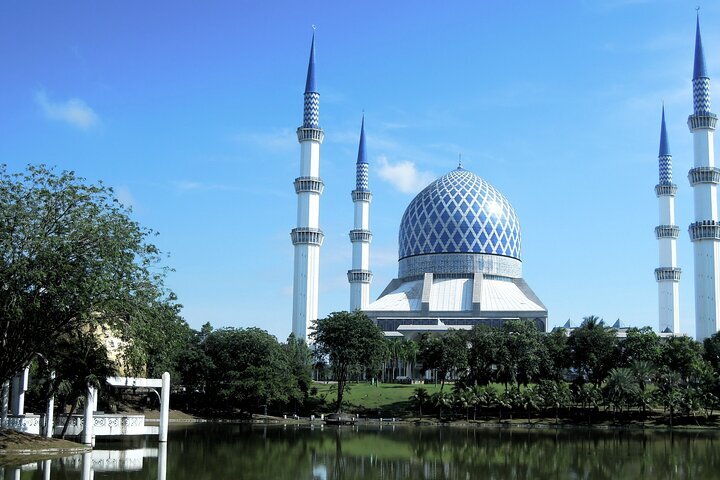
460, 213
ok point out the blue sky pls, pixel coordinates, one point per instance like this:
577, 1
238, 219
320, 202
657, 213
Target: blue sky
188, 109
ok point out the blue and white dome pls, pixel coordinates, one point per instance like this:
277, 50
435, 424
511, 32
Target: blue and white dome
460, 213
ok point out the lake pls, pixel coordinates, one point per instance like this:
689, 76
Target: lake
228, 451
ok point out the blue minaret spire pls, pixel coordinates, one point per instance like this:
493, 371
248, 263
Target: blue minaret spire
701, 81
664, 157
311, 110
361, 173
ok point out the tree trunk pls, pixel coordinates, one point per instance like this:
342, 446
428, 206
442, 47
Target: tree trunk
67, 419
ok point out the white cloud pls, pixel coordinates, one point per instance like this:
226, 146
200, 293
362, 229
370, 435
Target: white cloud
277, 141
404, 175
74, 111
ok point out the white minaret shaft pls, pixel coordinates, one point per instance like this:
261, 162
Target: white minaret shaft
668, 274
360, 276
704, 178
307, 236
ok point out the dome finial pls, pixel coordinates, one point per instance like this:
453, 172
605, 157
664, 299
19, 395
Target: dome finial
459, 167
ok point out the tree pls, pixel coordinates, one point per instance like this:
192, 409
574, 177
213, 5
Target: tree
593, 349
70, 256
555, 354
482, 357
299, 357
351, 340
250, 369
419, 398
711, 352
519, 353
684, 356
620, 389
640, 345
445, 354
442, 400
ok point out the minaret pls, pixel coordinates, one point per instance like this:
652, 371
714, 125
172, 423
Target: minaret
360, 276
704, 178
307, 236
668, 274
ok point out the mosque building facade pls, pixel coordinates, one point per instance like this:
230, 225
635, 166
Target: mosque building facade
459, 255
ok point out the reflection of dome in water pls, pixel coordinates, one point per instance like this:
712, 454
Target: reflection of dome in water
460, 213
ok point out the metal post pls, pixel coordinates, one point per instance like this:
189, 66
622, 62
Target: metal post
49, 416
88, 421
164, 407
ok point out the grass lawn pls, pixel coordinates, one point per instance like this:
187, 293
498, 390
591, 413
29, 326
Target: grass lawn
391, 399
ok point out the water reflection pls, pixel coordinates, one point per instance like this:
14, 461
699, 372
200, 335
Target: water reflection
217, 451
88, 463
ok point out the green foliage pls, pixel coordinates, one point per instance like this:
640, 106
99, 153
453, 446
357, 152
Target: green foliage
351, 341
640, 345
446, 353
711, 352
250, 369
299, 357
683, 355
70, 256
520, 352
555, 355
593, 349
484, 352
621, 389
420, 398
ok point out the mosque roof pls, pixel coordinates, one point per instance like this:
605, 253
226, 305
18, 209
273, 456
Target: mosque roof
460, 213
455, 295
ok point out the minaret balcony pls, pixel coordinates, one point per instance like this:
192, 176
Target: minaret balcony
305, 235
699, 175
666, 190
706, 120
667, 274
359, 276
360, 236
309, 184
667, 231
305, 133
704, 230
361, 196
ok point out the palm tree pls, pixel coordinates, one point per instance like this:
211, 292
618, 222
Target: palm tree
441, 400
621, 389
420, 397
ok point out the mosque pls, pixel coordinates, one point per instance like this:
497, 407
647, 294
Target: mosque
459, 259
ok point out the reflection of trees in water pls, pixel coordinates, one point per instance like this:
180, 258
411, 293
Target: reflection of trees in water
217, 451
449, 453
